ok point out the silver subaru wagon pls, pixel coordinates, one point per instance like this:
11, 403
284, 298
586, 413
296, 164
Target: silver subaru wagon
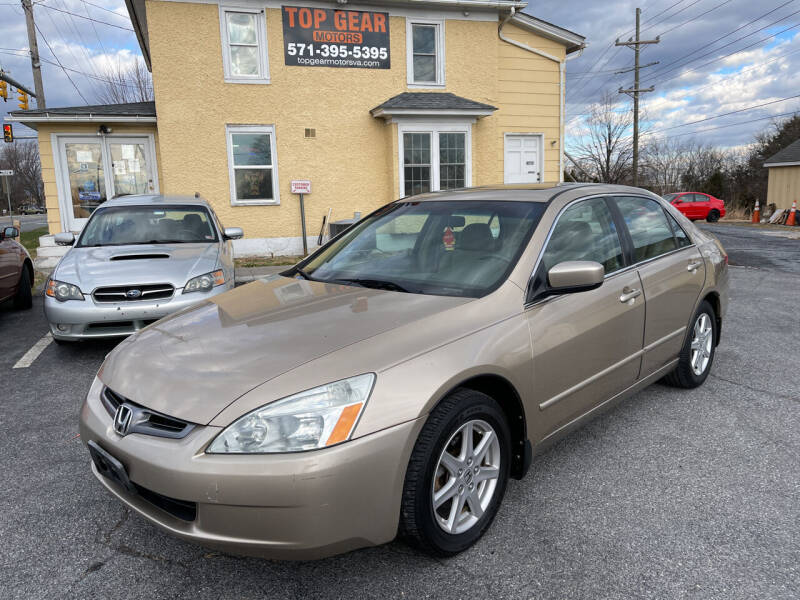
138, 259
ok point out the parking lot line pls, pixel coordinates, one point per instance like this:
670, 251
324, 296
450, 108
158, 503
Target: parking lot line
32, 354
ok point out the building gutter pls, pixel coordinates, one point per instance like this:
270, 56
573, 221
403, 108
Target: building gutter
562, 68
782, 164
30, 121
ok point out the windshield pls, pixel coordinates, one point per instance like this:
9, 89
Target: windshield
122, 225
444, 248
670, 197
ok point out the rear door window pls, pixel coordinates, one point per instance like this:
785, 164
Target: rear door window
649, 229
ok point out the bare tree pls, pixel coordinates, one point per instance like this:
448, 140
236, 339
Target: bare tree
605, 145
26, 183
665, 162
125, 83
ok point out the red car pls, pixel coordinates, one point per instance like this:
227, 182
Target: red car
696, 205
16, 270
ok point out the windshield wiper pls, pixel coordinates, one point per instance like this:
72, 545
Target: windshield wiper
378, 284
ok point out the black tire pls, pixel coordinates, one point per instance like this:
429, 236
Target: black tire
713, 216
23, 300
684, 375
418, 522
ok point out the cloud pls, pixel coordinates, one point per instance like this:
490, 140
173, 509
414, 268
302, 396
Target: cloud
705, 68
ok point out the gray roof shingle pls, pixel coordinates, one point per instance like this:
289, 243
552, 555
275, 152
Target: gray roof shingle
431, 101
131, 109
790, 154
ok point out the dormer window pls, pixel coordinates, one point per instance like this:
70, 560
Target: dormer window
425, 53
244, 45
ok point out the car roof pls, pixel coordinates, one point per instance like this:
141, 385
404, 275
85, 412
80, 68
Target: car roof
155, 199
537, 192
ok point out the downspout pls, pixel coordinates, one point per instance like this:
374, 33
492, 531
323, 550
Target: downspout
562, 68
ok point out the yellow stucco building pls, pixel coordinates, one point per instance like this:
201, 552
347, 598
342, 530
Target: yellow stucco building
370, 102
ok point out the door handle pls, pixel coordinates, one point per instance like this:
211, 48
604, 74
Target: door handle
629, 294
694, 265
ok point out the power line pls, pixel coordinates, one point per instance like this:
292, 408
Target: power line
82, 17
13, 52
733, 112
703, 14
664, 71
60, 65
769, 37
739, 123
676, 13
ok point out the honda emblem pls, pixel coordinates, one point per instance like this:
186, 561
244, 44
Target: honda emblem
122, 419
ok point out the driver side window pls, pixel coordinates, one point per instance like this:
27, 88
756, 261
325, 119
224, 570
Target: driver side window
585, 231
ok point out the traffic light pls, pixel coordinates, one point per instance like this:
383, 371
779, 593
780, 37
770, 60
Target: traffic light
4, 91
23, 100
8, 134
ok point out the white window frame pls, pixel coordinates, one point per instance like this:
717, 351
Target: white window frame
265, 129
440, 54
434, 129
263, 49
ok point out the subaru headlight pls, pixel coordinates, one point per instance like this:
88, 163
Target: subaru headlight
203, 283
316, 418
62, 291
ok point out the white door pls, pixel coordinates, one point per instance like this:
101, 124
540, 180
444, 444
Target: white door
94, 170
522, 158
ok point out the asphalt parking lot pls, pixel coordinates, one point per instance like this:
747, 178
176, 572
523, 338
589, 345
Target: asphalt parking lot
672, 494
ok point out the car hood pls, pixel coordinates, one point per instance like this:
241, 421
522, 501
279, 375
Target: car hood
193, 364
89, 268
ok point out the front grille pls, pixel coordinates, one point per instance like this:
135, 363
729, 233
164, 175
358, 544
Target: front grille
128, 293
144, 420
180, 509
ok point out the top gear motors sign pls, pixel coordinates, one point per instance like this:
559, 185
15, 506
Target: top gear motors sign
324, 37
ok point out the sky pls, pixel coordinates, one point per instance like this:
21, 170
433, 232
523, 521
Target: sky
715, 57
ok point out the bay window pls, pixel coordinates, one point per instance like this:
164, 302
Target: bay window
434, 157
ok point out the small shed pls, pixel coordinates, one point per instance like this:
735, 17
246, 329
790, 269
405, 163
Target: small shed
783, 186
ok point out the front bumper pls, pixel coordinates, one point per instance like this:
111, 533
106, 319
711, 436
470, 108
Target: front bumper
287, 506
86, 319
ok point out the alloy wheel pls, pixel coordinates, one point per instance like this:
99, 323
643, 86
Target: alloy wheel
466, 476
702, 341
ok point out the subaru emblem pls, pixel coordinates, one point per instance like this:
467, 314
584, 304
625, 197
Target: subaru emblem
122, 419
133, 294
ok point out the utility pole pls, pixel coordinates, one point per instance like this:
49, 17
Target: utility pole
36, 65
635, 91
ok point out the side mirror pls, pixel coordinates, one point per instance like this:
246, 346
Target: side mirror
233, 233
65, 239
9, 233
575, 276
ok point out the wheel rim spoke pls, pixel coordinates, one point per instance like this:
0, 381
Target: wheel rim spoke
483, 446
451, 463
487, 473
449, 490
475, 505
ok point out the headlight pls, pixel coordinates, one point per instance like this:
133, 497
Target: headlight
316, 418
63, 291
203, 283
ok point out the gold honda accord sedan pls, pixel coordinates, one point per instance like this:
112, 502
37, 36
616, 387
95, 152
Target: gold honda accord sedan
394, 380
